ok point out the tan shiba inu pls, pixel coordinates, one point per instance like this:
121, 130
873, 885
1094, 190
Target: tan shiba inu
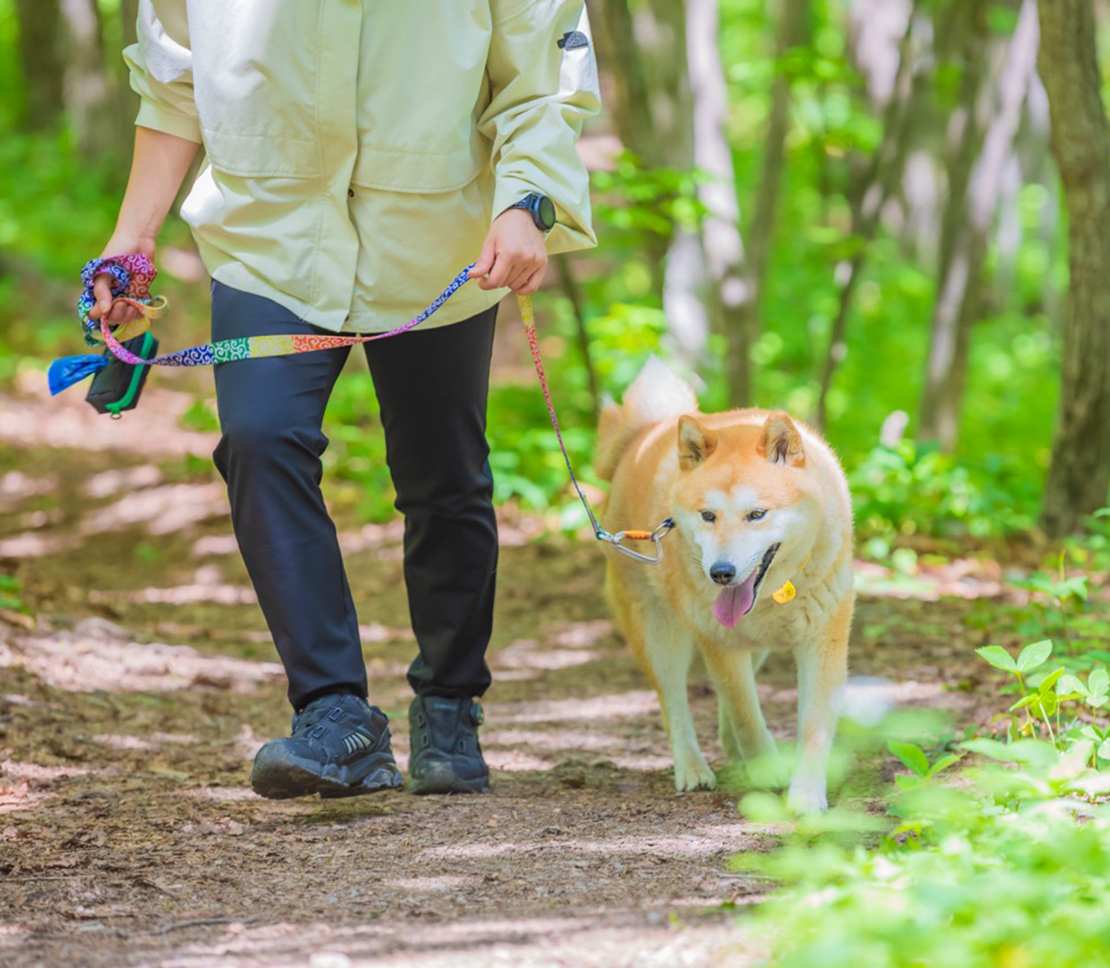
760, 558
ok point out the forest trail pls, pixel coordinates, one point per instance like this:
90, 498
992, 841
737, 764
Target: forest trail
130, 711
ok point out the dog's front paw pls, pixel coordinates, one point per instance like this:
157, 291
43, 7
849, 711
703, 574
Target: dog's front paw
693, 774
807, 795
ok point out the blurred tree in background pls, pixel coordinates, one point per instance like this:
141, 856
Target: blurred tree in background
888, 216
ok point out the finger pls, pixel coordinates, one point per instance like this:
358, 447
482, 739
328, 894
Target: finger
485, 260
499, 272
529, 266
121, 313
533, 282
522, 274
102, 293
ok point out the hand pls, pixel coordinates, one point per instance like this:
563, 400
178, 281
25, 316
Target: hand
513, 254
121, 243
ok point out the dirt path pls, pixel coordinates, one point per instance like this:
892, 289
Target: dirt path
130, 711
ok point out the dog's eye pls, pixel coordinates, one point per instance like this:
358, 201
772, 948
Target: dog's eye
757, 515
708, 516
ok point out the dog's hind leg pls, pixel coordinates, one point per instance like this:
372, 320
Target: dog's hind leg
668, 651
733, 675
822, 671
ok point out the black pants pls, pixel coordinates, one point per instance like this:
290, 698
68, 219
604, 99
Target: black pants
432, 387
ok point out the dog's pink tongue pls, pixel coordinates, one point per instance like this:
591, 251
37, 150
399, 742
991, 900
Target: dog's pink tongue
734, 602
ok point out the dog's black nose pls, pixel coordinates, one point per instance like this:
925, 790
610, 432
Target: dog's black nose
722, 572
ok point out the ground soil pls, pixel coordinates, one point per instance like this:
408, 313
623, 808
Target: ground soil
133, 700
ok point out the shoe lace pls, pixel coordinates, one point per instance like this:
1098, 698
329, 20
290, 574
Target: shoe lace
310, 716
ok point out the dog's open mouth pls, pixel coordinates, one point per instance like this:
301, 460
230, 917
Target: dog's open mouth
735, 601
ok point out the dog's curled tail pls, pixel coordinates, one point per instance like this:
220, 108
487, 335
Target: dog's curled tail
656, 394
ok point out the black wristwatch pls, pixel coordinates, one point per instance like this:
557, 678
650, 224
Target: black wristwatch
540, 207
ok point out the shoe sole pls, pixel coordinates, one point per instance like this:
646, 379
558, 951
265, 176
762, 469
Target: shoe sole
442, 783
283, 778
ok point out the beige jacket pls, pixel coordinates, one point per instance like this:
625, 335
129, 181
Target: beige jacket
357, 150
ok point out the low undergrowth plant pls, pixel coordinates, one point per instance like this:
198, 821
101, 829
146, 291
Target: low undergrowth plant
1056, 706
987, 853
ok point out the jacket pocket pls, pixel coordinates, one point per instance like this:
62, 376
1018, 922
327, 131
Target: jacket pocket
262, 155
405, 170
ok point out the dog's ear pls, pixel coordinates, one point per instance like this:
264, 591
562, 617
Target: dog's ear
695, 442
781, 443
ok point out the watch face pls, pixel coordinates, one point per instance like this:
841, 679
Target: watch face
546, 212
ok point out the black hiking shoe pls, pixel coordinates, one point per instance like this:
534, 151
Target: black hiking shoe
446, 757
339, 748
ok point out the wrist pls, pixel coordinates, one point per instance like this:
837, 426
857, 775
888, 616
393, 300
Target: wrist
517, 215
128, 238
539, 209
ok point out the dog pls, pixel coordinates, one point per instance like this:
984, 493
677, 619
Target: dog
760, 558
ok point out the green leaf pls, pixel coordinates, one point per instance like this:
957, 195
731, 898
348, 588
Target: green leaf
944, 762
1034, 655
1098, 682
1029, 751
1046, 684
762, 807
911, 755
1070, 685
1024, 701
998, 657
1104, 750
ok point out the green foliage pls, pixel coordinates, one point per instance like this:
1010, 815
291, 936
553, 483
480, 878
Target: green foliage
634, 201
1063, 606
1051, 705
54, 204
908, 489
968, 882
1006, 867
913, 758
11, 594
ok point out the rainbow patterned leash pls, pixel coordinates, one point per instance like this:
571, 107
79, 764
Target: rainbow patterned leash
255, 347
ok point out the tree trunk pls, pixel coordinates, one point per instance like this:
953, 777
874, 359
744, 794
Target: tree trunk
737, 277
40, 58
969, 217
878, 183
724, 248
1079, 474
569, 285
126, 99
650, 109
631, 104
89, 88
743, 322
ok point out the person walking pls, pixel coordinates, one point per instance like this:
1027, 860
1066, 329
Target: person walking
357, 154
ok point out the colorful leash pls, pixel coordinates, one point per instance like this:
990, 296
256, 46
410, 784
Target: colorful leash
132, 287
255, 347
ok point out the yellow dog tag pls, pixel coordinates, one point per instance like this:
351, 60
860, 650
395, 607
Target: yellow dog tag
785, 594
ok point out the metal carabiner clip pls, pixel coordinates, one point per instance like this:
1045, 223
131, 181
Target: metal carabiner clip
617, 539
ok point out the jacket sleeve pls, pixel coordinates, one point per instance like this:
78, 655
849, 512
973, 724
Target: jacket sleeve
161, 66
543, 86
